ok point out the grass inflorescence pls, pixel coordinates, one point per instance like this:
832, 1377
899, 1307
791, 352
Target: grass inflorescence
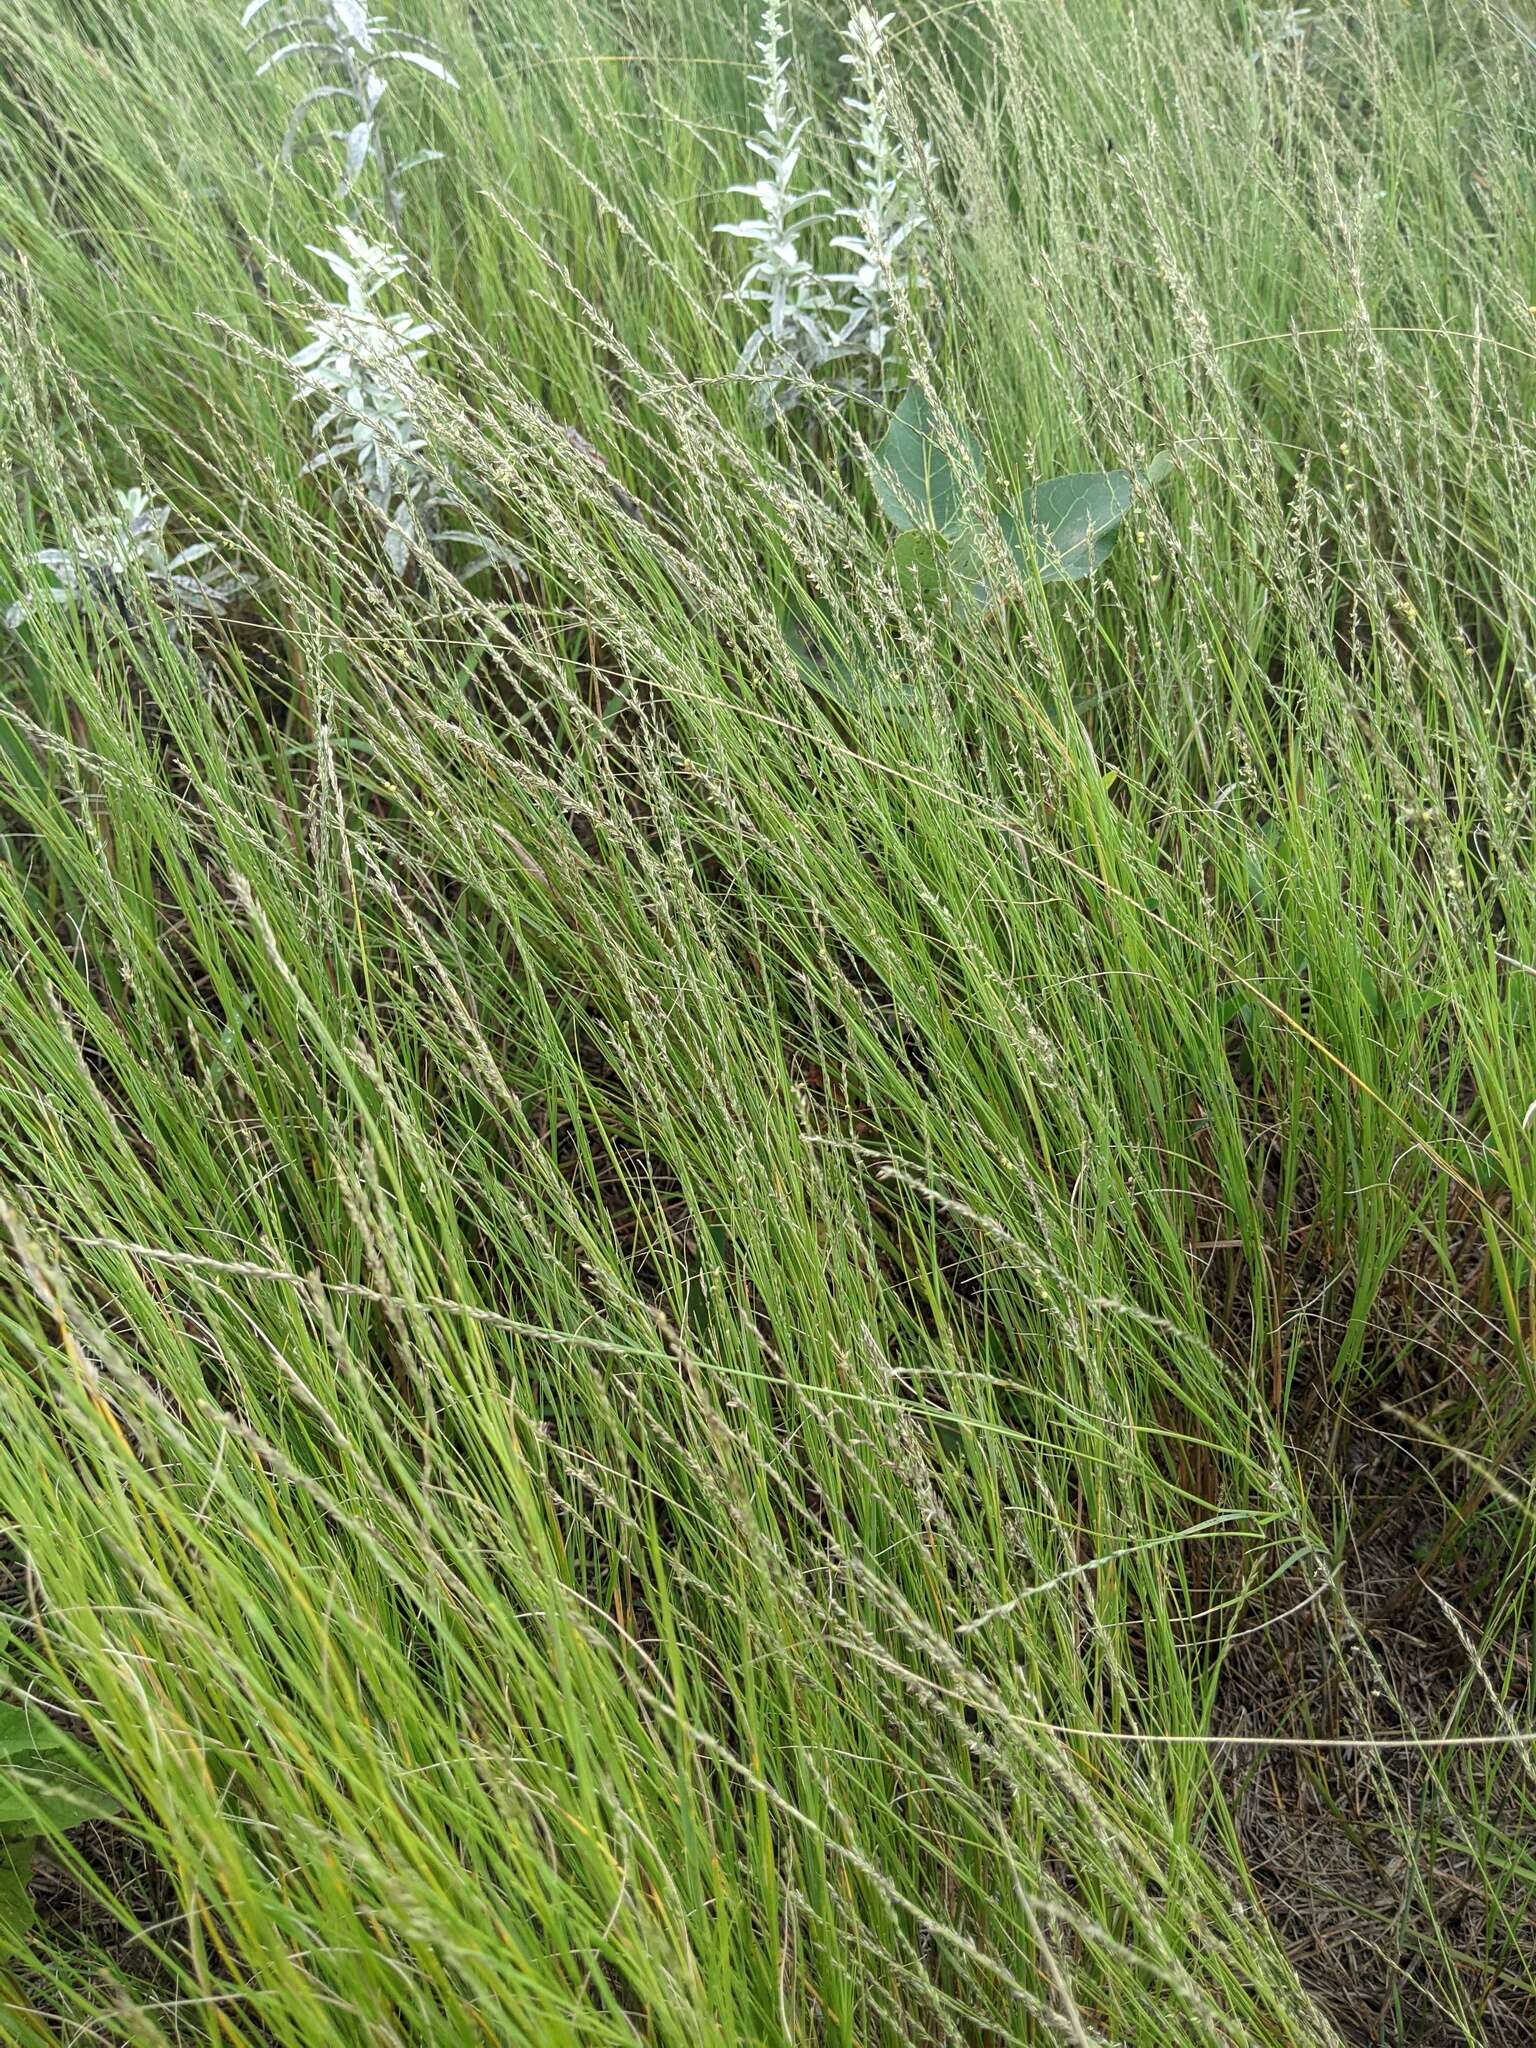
743, 1303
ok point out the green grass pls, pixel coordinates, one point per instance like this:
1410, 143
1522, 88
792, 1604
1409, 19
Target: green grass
702, 1356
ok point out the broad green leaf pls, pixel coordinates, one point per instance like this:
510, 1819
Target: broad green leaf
936, 564
914, 475
966, 561
27, 1733
51, 1797
39, 1784
39, 1788
921, 558
1066, 527
17, 1913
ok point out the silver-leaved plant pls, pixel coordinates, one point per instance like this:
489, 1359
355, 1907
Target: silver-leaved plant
793, 338
365, 369
884, 238
812, 321
348, 47
111, 556
1280, 32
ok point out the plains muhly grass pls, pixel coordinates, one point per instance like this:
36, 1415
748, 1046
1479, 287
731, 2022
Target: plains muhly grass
719, 1348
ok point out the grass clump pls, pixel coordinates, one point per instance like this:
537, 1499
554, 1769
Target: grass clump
743, 1304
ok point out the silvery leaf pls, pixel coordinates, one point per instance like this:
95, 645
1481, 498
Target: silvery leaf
422, 63
320, 92
352, 18
288, 50
397, 547
358, 139
293, 24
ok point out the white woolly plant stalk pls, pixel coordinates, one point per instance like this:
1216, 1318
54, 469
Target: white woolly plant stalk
348, 46
814, 320
108, 556
364, 368
793, 339
887, 223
